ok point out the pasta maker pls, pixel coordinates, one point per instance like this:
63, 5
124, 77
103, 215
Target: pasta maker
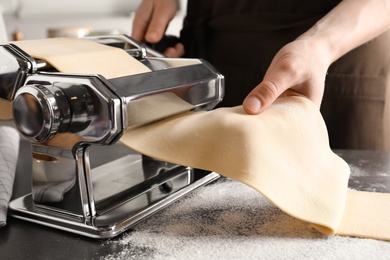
83, 179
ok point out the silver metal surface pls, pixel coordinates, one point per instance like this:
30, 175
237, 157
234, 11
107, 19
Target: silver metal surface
83, 181
132, 47
94, 111
15, 65
40, 111
126, 187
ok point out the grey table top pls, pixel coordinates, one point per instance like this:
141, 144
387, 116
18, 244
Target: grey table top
24, 240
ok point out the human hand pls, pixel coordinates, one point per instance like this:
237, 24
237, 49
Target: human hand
175, 51
298, 69
151, 20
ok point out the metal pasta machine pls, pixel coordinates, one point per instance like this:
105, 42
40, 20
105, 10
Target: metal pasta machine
83, 180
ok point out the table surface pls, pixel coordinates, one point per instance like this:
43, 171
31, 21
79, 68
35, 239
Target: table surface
24, 240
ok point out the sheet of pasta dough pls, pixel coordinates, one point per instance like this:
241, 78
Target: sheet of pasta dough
283, 153
81, 56
5, 110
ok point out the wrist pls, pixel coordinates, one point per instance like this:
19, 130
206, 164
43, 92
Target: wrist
320, 46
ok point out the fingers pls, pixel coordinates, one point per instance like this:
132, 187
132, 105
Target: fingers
175, 52
152, 18
292, 72
163, 13
283, 82
141, 21
262, 97
264, 94
282, 74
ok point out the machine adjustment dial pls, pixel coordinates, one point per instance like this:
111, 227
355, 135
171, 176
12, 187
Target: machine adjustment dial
41, 111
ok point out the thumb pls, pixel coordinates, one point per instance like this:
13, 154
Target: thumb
262, 96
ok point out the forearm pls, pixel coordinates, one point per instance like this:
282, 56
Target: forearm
348, 25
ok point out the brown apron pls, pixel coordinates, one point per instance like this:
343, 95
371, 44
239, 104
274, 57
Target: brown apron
240, 38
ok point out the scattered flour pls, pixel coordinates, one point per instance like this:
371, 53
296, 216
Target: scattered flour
228, 220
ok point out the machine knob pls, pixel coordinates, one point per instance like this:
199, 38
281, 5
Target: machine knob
41, 111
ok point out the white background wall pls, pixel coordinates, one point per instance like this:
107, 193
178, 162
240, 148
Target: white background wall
34, 17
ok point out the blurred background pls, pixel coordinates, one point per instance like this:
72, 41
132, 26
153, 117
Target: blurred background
27, 19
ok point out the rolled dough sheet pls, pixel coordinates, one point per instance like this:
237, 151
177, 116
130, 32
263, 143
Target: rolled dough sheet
283, 153
366, 214
80, 56
5, 110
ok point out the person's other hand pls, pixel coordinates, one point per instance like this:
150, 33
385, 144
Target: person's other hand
175, 52
298, 69
151, 20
